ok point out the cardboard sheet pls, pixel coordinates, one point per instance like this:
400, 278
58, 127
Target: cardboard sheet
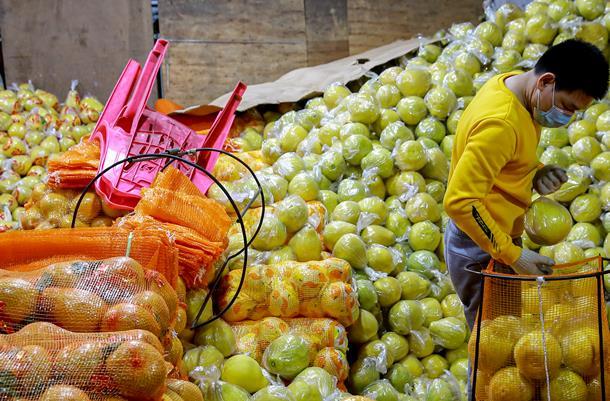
305, 82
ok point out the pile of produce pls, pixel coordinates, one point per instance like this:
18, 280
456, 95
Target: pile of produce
346, 289
36, 128
45, 361
514, 345
376, 154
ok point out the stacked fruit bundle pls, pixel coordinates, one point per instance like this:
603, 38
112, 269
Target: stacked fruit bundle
282, 324
34, 126
548, 341
50, 363
88, 297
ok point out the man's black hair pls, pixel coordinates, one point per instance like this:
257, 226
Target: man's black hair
577, 65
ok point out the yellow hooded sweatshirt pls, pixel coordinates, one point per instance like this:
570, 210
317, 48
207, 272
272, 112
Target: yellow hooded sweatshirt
493, 164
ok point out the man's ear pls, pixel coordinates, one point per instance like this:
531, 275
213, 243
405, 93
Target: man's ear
545, 79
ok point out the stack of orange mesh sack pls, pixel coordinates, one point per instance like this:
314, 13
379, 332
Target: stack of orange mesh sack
175, 230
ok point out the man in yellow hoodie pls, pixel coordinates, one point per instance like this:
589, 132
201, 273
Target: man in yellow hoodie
494, 165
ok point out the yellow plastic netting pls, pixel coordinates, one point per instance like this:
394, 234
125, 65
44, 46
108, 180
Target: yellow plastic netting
292, 289
541, 338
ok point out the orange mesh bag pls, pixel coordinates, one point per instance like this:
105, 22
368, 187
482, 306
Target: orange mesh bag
186, 210
544, 338
198, 225
195, 254
76, 167
325, 338
291, 289
114, 294
47, 363
31, 250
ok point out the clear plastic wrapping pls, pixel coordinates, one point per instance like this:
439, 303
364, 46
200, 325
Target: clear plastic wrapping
253, 337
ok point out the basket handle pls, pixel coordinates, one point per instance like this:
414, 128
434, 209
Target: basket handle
222, 125
145, 83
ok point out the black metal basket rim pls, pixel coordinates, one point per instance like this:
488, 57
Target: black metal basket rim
546, 277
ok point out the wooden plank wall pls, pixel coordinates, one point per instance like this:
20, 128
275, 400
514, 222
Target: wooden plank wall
216, 43
375, 22
53, 42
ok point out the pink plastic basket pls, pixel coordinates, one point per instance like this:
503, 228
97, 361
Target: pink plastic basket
128, 128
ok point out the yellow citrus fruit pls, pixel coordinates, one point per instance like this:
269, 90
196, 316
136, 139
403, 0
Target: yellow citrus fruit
137, 369
155, 304
530, 355
76, 363
171, 396
64, 393
581, 351
509, 385
125, 316
18, 298
530, 300
558, 318
567, 386
494, 351
185, 389
74, 309
509, 326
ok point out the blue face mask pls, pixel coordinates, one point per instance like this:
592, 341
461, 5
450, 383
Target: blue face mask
553, 117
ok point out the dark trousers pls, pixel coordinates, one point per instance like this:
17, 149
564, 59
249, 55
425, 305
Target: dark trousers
462, 253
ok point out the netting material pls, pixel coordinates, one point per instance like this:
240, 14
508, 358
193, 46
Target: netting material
175, 205
538, 332
100, 296
75, 167
291, 289
228, 169
31, 250
45, 360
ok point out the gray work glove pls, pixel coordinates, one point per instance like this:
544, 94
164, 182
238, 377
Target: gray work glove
548, 179
533, 264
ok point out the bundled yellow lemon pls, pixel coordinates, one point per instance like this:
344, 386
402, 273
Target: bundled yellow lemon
292, 289
327, 340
